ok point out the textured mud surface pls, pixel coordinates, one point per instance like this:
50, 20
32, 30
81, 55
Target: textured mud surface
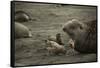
48, 20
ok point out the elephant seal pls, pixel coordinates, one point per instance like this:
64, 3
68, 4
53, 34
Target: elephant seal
83, 35
51, 38
59, 39
56, 38
21, 16
54, 48
21, 31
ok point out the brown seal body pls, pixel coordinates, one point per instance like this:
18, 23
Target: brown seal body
21, 31
21, 16
56, 38
84, 35
59, 39
54, 48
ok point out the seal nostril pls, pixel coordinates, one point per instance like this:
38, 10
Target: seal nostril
64, 29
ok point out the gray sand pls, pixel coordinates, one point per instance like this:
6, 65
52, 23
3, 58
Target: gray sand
48, 20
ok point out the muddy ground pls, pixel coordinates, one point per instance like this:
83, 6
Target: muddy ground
47, 19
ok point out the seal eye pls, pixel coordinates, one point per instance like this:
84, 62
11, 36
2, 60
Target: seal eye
81, 27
